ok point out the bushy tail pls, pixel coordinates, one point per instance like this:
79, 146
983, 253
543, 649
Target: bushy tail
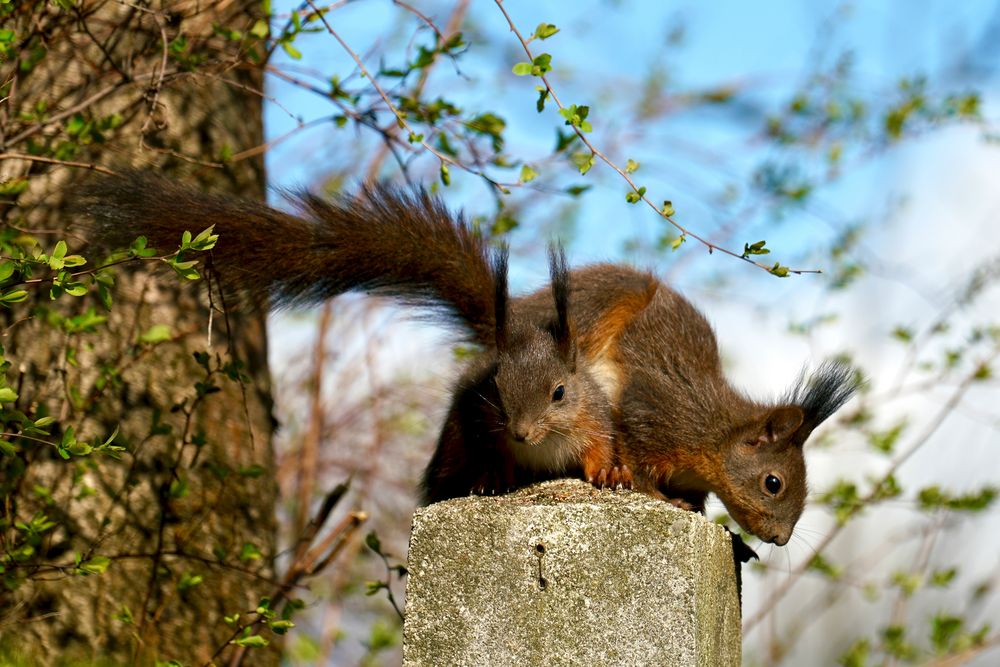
385, 240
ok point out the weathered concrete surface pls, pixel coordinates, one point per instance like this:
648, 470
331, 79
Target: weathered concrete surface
563, 574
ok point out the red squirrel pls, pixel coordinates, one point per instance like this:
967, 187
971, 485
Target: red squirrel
680, 428
526, 409
684, 431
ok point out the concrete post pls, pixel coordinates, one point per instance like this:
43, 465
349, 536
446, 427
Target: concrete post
562, 574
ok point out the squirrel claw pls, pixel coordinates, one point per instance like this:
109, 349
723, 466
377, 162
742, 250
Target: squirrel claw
621, 477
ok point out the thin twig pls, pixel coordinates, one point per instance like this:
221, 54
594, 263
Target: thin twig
64, 163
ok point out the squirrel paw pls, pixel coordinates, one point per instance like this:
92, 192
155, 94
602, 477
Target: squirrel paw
616, 477
680, 503
493, 484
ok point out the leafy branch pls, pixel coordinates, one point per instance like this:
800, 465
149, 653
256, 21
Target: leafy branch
576, 118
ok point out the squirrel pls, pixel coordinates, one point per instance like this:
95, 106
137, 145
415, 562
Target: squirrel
527, 408
682, 429
558, 418
665, 419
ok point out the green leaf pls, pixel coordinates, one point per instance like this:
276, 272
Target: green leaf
281, 627
6, 270
371, 539
676, 243
941, 578
96, 565
779, 270
157, 333
820, 564
250, 552
528, 174
755, 249
577, 116
541, 64
543, 94
884, 441
668, 208
73, 260
7, 395
522, 69
544, 31
445, 174
631, 166
583, 161
293, 52
205, 240
60, 250
635, 196
260, 29
13, 187
944, 629
252, 641
74, 289
903, 334
188, 581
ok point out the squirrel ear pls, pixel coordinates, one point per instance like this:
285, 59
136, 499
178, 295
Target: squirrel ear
562, 329
782, 422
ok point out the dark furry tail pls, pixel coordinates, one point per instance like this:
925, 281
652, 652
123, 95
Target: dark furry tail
387, 241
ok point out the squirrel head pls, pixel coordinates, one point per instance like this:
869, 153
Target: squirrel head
536, 375
765, 471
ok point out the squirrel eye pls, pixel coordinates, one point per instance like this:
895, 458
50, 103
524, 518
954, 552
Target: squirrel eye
772, 484
557, 395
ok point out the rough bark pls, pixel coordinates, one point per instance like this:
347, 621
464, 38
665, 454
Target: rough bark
189, 494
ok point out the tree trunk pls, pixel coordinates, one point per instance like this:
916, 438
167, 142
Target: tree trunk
166, 86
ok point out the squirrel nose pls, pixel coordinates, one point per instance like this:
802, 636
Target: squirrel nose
520, 431
780, 540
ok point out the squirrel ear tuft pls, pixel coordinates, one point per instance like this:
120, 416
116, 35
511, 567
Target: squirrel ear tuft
562, 329
501, 296
822, 393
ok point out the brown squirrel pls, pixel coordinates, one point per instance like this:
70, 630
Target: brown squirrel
557, 417
526, 409
680, 427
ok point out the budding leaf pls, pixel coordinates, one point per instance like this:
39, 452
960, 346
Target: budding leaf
755, 249
635, 196
544, 31
521, 69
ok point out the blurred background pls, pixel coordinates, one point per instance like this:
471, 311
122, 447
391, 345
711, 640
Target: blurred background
859, 139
